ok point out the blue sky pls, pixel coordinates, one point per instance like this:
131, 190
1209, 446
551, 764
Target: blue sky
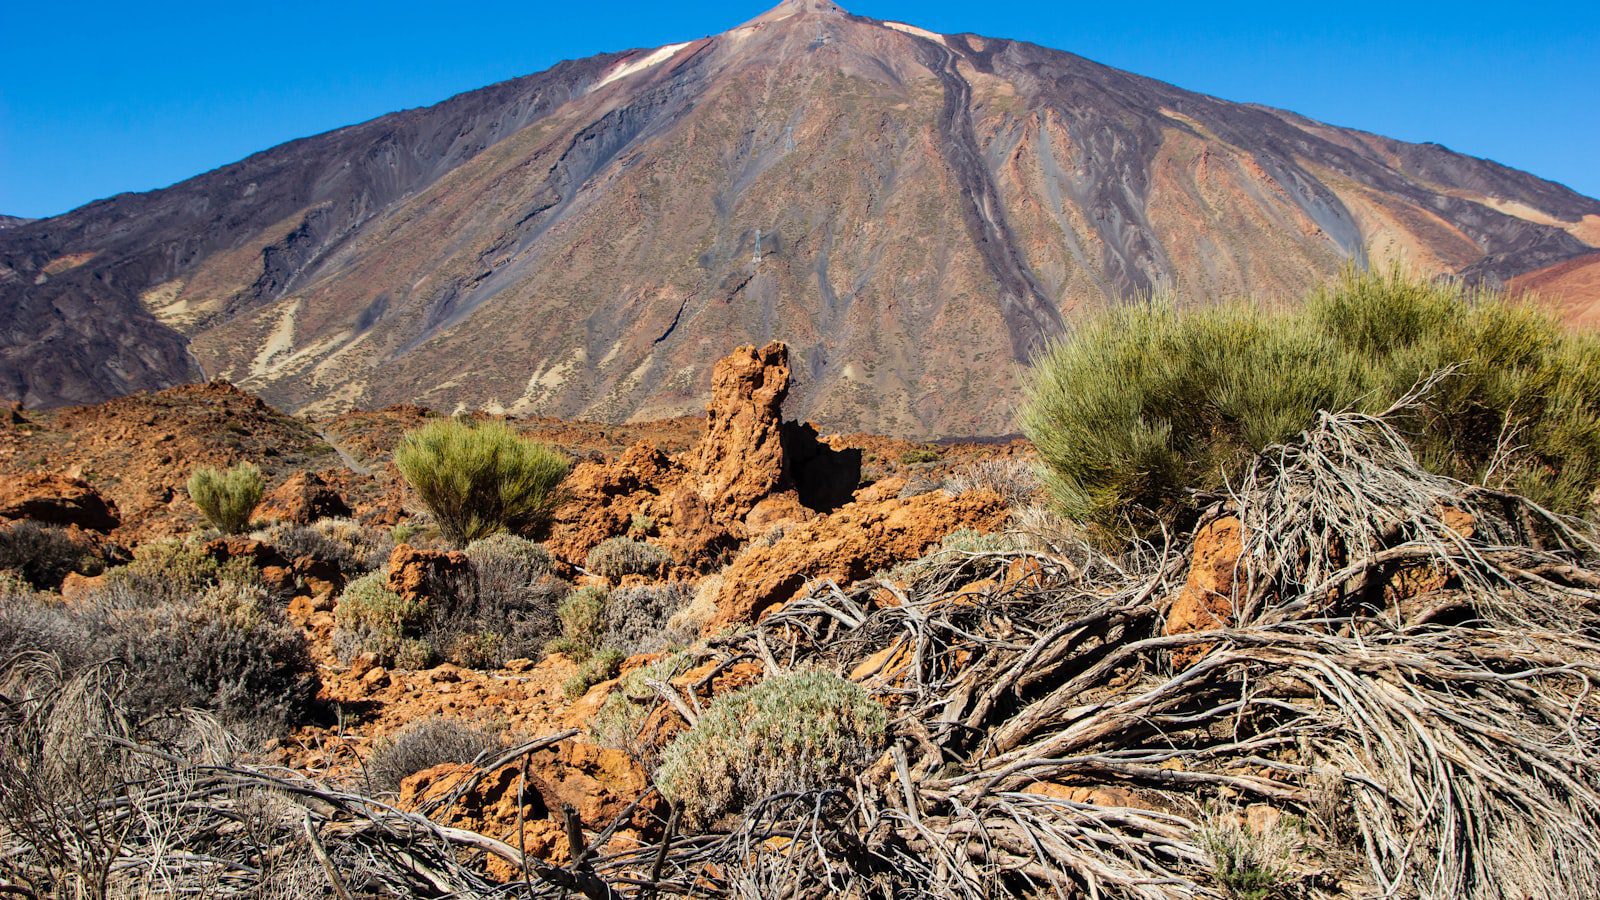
99, 98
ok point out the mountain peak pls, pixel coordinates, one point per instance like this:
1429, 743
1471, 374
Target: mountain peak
789, 9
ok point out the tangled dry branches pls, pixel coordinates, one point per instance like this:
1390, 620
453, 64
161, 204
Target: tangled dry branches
1402, 691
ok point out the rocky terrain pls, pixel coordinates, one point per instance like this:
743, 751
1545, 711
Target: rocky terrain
913, 213
112, 475
1341, 659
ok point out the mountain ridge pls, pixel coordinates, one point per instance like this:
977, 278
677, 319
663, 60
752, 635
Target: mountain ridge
915, 213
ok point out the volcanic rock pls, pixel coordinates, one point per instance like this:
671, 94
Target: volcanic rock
425, 575
57, 500
849, 544
302, 499
1206, 601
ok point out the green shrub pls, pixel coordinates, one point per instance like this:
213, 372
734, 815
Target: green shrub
480, 479
1143, 406
370, 618
616, 724
796, 732
423, 745
602, 665
615, 557
227, 498
173, 570
1247, 865
583, 622
918, 456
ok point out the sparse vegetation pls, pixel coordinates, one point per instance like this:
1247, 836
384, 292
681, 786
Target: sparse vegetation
629, 704
1246, 864
615, 557
583, 621
1143, 406
479, 479
1016, 480
228, 497
423, 745
793, 732
43, 556
370, 618
918, 456
636, 619
601, 665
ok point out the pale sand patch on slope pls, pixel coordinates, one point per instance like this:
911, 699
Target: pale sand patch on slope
631, 66
279, 342
914, 30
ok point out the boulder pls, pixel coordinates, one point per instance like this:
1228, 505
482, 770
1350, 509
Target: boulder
597, 783
1206, 601
302, 499
426, 574
57, 500
260, 555
846, 545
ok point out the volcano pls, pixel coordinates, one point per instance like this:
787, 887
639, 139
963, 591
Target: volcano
913, 213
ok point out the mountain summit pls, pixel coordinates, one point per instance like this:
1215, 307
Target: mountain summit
913, 213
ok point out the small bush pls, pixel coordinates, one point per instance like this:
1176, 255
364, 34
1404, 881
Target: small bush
516, 602
616, 724
619, 556
583, 622
230, 652
228, 498
918, 456
1248, 866
44, 556
370, 618
1142, 407
347, 544
636, 618
423, 745
1016, 480
226, 650
796, 732
529, 557
480, 479
602, 665
172, 570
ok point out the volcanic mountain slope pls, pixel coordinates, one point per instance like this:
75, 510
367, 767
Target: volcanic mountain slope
912, 212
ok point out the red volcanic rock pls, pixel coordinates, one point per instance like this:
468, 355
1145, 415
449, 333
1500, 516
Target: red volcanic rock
424, 574
57, 500
740, 461
597, 783
259, 554
602, 499
847, 545
1206, 601
302, 499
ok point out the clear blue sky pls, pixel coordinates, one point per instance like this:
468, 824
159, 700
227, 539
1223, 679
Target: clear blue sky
99, 98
